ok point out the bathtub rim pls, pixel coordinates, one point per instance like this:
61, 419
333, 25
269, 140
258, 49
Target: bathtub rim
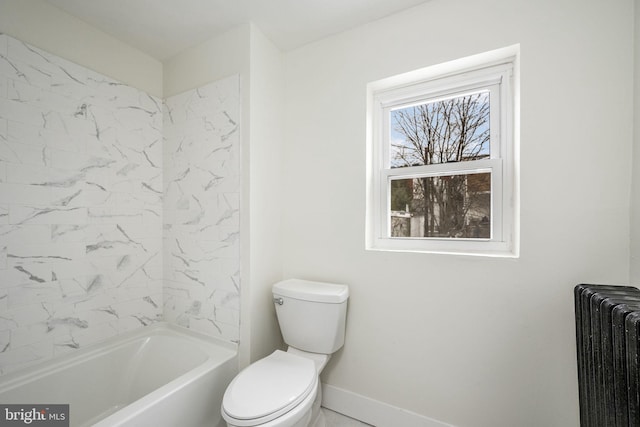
62, 361
126, 414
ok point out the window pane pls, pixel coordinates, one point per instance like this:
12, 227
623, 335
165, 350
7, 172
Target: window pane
444, 131
455, 206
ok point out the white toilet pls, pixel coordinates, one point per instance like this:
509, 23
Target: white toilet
283, 389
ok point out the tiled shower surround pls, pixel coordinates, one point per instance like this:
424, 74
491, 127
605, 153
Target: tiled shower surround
81, 209
201, 209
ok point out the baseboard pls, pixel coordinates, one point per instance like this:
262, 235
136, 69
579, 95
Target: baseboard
371, 411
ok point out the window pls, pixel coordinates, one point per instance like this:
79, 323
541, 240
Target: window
442, 159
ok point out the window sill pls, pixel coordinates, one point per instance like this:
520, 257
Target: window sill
445, 247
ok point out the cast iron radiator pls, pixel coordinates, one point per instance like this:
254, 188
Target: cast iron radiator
607, 334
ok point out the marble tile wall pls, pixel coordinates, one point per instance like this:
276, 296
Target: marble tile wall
201, 209
81, 189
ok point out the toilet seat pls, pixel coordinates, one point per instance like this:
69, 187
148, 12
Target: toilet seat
269, 388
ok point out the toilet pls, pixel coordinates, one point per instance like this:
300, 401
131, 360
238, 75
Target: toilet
283, 389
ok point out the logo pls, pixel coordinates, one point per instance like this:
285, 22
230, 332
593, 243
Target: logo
34, 415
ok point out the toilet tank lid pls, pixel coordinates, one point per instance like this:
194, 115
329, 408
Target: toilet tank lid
308, 290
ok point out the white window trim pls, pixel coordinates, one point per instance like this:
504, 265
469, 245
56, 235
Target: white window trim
496, 70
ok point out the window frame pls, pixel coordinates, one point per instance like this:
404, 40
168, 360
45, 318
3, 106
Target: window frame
499, 77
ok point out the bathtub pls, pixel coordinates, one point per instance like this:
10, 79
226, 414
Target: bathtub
160, 375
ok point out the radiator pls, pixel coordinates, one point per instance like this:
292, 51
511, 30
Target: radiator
608, 351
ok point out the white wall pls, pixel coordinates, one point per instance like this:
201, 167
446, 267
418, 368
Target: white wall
635, 190
212, 60
49, 28
266, 201
469, 341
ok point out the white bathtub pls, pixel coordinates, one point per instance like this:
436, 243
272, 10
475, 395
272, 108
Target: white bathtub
161, 375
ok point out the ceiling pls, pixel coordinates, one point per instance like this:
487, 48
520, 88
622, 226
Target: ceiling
163, 28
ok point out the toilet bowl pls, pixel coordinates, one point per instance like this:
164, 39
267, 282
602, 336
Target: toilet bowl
283, 389
293, 386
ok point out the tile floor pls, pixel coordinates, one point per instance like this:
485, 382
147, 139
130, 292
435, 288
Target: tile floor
335, 419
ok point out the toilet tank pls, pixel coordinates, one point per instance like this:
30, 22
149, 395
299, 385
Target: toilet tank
312, 315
